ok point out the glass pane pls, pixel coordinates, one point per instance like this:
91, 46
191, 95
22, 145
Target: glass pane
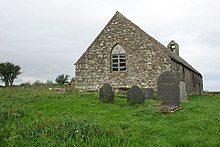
114, 65
115, 60
123, 69
122, 56
122, 64
115, 69
114, 56
122, 60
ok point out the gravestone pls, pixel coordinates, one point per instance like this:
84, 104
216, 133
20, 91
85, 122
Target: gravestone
106, 93
168, 92
135, 95
183, 94
148, 93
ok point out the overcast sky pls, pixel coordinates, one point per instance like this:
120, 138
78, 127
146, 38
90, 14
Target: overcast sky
46, 37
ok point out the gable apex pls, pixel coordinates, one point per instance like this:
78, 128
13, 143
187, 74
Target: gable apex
118, 13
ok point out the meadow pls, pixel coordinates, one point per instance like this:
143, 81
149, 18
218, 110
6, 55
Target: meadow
31, 116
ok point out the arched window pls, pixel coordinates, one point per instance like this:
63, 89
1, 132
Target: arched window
118, 58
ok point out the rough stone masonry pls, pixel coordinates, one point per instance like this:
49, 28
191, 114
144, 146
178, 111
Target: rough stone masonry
123, 55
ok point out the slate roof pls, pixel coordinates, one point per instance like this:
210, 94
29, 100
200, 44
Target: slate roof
182, 61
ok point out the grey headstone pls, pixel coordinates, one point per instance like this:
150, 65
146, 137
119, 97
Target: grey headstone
106, 93
168, 90
135, 95
183, 94
148, 93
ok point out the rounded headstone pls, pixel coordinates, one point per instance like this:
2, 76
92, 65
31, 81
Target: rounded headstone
135, 95
106, 93
168, 91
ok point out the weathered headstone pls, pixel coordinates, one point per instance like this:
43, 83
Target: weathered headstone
135, 95
148, 93
106, 93
168, 92
183, 94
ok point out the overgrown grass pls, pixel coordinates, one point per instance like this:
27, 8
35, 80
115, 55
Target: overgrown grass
39, 117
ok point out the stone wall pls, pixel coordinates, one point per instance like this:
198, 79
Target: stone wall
146, 60
193, 81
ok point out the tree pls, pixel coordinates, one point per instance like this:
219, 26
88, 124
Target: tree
62, 79
9, 72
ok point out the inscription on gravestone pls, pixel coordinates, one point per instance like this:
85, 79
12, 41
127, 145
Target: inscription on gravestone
106, 93
168, 91
135, 95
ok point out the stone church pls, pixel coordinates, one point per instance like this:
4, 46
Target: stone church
124, 55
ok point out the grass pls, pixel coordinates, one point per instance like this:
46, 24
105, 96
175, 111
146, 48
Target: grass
39, 117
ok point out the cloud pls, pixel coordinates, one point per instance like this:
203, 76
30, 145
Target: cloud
46, 37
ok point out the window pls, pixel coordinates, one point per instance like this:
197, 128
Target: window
118, 58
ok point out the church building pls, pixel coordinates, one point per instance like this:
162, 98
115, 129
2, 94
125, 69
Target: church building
123, 55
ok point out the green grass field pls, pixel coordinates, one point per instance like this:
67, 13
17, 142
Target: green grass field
39, 117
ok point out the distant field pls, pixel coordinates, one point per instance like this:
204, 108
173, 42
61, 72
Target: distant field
39, 117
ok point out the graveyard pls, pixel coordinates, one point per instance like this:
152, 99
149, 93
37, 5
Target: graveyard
36, 116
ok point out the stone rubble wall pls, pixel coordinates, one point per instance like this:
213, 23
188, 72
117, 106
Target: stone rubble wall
146, 60
192, 80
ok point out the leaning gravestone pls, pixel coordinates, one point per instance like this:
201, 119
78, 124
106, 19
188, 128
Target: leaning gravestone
183, 94
148, 93
106, 93
168, 92
135, 95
